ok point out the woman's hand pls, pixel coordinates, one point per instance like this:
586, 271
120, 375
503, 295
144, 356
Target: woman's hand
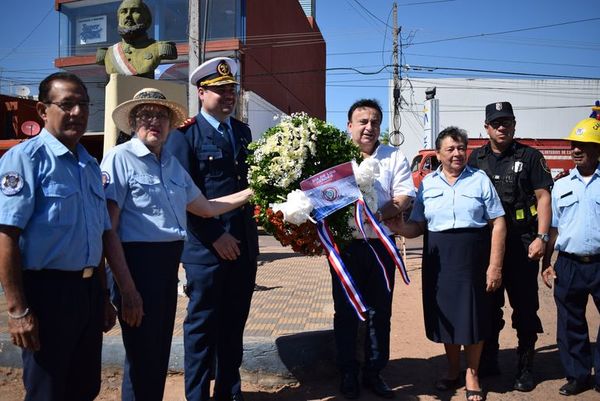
548, 275
493, 278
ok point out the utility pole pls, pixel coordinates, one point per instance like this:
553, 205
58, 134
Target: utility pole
194, 53
396, 137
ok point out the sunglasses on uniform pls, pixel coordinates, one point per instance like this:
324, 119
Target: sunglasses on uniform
67, 107
504, 122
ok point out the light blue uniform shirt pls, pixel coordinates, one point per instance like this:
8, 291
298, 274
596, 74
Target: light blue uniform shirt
576, 213
470, 203
216, 123
152, 194
60, 206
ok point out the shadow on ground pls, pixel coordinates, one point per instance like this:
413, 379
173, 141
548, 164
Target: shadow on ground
412, 378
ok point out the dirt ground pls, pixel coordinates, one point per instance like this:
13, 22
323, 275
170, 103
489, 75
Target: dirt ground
414, 366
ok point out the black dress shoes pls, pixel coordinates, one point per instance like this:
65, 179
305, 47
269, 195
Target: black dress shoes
237, 396
376, 384
573, 387
349, 386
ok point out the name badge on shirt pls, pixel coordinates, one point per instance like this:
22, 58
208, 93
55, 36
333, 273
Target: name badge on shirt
518, 166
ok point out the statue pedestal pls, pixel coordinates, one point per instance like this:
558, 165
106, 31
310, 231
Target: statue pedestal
121, 88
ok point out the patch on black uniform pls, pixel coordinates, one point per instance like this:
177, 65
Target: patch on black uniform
544, 165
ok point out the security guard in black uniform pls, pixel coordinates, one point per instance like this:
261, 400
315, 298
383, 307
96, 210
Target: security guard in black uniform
523, 182
220, 254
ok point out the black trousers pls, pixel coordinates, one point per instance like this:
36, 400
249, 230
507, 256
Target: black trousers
153, 267
520, 281
368, 277
69, 310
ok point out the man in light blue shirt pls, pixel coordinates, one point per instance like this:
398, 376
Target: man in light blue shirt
52, 219
576, 273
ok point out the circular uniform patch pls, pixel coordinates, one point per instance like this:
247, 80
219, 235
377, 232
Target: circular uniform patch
544, 165
11, 183
105, 179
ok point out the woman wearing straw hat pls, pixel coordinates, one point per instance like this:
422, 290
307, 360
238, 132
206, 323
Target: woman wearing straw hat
148, 193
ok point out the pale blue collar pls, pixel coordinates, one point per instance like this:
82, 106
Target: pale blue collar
214, 122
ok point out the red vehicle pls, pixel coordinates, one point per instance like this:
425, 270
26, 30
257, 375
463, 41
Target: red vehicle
557, 153
19, 120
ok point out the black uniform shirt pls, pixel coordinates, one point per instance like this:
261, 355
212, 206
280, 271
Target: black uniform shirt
535, 173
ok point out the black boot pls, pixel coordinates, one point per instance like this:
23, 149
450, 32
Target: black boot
349, 386
524, 380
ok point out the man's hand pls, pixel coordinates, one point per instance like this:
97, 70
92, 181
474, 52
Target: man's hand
548, 276
25, 332
395, 224
227, 247
536, 249
132, 307
493, 278
110, 315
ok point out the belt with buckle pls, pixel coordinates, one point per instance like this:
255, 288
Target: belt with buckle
86, 272
581, 258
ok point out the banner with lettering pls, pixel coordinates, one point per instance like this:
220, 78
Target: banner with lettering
331, 190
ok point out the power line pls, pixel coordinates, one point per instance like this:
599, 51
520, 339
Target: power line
425, 2
371, 14
524, 74
28, 35
505, 32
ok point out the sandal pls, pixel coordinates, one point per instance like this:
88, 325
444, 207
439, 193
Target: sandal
448, 384
475, 393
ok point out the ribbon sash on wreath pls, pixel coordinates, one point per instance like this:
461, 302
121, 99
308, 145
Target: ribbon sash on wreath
329, 191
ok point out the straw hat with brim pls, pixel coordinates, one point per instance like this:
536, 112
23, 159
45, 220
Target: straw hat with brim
147, 96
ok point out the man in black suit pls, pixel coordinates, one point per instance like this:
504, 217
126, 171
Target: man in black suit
220, 253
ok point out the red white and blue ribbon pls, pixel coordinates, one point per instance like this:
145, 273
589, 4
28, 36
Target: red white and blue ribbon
389, 246
350, 290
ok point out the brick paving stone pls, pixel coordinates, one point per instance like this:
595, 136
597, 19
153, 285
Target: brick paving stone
294, 293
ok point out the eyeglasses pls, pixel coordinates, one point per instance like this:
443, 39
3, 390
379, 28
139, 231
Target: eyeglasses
505, 122
146, 117
68, 107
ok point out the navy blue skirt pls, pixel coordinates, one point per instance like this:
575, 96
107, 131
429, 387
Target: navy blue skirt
454, 278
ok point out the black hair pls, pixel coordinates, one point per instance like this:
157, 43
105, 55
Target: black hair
458, 134
46, 84
362, 103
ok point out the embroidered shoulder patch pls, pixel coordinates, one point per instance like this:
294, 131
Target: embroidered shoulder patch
11, 183
105, 179
544, 165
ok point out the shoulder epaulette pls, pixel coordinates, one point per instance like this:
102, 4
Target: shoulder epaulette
188, 121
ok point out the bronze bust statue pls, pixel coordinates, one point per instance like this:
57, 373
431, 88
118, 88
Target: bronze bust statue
136, 53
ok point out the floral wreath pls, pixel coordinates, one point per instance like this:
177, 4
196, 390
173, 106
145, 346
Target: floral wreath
295, 149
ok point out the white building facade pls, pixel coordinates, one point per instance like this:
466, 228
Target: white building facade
543, 108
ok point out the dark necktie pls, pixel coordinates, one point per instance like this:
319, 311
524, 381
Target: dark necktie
226, 133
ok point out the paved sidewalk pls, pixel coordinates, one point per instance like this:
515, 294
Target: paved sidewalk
291, 307
292, 294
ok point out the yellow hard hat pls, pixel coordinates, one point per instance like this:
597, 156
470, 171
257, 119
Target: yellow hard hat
587, 130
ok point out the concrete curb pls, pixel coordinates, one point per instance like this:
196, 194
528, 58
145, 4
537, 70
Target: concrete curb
267, 362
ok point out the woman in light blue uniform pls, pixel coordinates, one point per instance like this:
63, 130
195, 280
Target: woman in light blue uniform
148, 193
462, 259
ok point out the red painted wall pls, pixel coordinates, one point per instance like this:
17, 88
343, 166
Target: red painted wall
283, 59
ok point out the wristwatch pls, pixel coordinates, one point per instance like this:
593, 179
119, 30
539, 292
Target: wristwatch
543, 237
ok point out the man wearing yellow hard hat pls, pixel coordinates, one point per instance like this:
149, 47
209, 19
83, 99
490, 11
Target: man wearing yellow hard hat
576, 273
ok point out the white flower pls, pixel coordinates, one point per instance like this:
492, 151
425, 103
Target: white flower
296, 209
366, 173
